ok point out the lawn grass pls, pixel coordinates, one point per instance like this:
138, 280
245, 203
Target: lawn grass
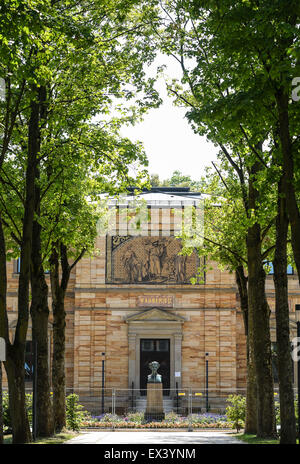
7, 439
56, 439
253, 440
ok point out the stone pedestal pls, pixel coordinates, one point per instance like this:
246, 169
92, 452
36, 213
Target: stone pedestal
154, 409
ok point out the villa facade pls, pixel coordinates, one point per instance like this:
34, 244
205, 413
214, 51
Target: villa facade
134, 302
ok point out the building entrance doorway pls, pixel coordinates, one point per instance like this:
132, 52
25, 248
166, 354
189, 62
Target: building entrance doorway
155, 350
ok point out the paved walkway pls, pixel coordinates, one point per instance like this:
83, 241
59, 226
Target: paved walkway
154, 437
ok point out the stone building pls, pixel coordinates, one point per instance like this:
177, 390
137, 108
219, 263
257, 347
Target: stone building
134, 302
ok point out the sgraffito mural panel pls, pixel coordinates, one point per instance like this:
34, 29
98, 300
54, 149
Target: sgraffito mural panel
148, 260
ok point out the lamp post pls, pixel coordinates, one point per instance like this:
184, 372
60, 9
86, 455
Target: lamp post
103, 379
2, 358
206, 379
297, 311
34, 392
296, 358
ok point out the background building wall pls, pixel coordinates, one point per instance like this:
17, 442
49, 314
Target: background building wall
96, 315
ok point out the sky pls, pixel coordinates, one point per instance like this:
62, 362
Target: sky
169, 141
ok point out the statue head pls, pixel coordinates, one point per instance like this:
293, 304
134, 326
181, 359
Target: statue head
154, 366
154, 377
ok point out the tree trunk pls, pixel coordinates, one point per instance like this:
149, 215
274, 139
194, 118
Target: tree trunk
39, 308
40, 315
3, 313
59, 323
251, 394
251, 411
259, 314
58, 289
14, 364
3, 288
1, 408
285, 365
58, 367
282, 100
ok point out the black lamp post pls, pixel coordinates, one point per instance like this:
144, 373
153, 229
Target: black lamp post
296, 357
34, 391
2, 358
103, 379
297, 307
206, 379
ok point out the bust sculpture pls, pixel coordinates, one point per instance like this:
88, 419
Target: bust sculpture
154, 377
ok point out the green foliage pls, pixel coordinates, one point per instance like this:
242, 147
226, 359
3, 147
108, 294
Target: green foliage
74, 412
28, 400
171, 417
136, 416
230, 75
171, 420
5, 411
177, 180
236, 412
74, 74
253, 440
90, 59
109, 418
277, 409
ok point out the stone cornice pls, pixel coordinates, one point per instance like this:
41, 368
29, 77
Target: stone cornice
122, 308
156, 289
154, 314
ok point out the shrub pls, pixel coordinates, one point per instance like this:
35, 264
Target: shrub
277, 409
28, 401
6, 414
236, 413
207, 418
74, 413
172, 418
136, 417
110, 418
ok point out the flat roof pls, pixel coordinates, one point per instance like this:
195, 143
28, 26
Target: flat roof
178, 191
161, 189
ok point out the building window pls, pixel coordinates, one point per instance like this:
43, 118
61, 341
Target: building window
18, 267
28, 361
162, 345
271, 268
289, 269
274, 361
147, 345
155, 345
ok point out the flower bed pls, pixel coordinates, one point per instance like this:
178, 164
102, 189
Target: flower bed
171, 421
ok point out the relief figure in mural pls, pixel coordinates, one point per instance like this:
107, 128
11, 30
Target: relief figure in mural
162, 246
133, 266
152, 261
146, 263
180, 268
158, 254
